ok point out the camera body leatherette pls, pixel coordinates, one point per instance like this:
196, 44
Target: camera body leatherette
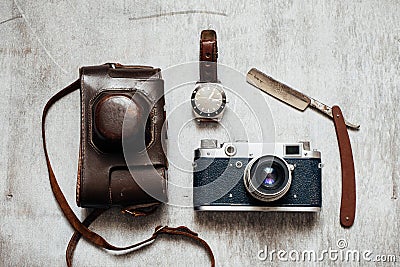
108, 95
305, 189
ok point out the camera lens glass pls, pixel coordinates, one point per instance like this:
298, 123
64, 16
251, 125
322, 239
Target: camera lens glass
273, 176
268, 178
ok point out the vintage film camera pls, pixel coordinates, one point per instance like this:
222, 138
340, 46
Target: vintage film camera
245, 176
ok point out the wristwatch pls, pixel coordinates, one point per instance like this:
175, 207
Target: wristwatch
208, 97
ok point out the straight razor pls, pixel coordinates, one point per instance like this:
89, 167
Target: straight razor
288, 95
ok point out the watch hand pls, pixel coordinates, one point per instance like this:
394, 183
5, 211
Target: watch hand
212, 94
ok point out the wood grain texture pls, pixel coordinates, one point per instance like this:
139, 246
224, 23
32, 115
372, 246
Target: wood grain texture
338, 52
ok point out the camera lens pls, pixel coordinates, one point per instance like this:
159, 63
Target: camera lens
267, 178
271, 177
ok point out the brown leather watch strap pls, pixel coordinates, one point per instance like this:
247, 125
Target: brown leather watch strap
348, 201
82, 228
208, 56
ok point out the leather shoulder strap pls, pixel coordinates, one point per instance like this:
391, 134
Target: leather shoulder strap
81, 229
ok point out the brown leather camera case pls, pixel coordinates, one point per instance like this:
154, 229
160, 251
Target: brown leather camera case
112, 94
122, 111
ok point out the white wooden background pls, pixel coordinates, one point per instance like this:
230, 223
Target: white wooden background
340, 52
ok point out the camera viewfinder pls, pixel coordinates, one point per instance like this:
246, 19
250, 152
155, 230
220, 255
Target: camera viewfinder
292, 150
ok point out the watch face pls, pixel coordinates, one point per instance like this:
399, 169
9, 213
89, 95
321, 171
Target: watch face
208, 99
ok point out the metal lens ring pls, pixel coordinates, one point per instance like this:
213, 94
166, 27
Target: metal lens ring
267, 178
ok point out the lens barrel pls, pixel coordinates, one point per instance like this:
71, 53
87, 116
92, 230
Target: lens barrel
267, 178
